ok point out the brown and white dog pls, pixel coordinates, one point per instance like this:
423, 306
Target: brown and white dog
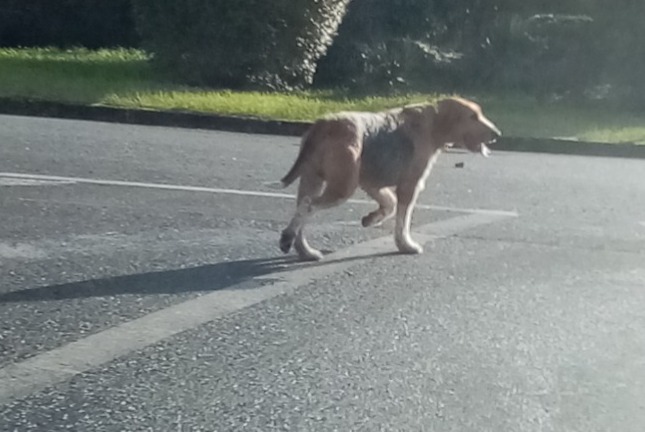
388, 154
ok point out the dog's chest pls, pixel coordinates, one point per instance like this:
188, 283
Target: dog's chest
386, 155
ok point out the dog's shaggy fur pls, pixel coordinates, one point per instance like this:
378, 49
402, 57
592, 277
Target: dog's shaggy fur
388, 154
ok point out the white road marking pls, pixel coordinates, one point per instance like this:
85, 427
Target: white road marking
8, 181
58, 365
162, 186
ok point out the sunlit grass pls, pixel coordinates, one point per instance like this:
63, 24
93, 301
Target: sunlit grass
82, 55
621, 134
294, 106
75, 75
124, 78
525, 116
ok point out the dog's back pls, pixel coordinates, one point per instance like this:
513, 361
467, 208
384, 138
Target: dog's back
387, 150
384, 146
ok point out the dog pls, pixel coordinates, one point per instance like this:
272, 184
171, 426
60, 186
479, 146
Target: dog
388, 154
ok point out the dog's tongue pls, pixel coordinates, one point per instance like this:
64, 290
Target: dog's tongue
485, 151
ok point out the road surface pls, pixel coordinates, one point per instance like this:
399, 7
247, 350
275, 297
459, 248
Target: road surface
142, 289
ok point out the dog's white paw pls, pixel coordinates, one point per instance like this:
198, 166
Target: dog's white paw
306, 252
311, 255
410, 247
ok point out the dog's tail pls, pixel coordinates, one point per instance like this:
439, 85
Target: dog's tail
294, 172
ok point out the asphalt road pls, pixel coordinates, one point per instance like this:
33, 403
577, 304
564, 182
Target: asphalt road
142, 289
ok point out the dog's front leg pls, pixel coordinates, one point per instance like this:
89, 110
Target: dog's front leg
407, 193
406, 199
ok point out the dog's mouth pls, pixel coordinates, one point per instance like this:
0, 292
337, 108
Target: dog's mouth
473, 145
479, 147
484, 149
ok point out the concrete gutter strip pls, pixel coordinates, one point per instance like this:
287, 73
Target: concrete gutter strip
194, 120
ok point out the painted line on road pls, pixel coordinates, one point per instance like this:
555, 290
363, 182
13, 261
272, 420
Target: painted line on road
162, 186
11, 182
61, 364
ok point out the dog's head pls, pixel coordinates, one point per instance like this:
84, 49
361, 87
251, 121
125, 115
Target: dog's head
461, 123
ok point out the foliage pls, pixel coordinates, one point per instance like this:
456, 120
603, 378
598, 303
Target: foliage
576, 49
620, 33
123, 78
65, 23
382, 43
569, 48
237, 44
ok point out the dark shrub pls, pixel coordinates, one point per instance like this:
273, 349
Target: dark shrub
382, 45
243, 43
388, 66
618, 28
65, 23
543, 54
544, 47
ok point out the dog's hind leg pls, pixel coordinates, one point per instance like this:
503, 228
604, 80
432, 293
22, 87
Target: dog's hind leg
302, 247
387, 205
329, 198
339, 171
336, 192
310, 187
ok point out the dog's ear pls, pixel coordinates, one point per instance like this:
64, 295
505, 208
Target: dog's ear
447, 117
418, 120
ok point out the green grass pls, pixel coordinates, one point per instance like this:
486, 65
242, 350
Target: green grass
124, 78
78, 75
293, 106
524, 116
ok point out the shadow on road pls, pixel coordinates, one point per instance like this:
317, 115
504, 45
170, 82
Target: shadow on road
204, 278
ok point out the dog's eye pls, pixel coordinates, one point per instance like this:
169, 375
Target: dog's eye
474, 116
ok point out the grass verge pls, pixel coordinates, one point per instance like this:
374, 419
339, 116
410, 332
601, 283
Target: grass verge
124, 78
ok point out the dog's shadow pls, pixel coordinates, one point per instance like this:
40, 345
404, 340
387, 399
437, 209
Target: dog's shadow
205, 278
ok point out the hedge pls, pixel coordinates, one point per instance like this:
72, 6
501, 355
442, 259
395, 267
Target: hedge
243, 43
65, 23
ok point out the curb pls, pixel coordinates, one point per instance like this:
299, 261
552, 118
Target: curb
184, 119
